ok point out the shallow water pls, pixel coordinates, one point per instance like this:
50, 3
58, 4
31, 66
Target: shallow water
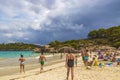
15, 54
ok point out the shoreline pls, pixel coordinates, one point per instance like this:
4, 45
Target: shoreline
31, 63
2, 59
29, 60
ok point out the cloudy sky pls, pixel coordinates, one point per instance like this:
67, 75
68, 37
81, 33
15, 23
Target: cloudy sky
43, 21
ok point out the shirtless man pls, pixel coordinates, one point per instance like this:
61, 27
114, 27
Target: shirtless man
22, 64
42, 59
70, 65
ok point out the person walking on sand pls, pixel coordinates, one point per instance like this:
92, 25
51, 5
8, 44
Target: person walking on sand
22, 64
86, 57
70, 65
42, 59
83, 56
76, 60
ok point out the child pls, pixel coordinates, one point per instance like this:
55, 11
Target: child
95, 61
76, 60
100, 65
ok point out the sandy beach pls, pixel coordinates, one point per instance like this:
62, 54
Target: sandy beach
11, 65
57, 71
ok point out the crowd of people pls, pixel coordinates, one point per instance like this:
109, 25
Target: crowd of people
90, 58
95, 58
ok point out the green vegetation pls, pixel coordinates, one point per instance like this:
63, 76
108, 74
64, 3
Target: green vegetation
17, 46
110, 36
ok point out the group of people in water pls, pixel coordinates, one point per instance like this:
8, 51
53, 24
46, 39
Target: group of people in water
71, 59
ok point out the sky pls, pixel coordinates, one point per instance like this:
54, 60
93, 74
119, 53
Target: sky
43, 21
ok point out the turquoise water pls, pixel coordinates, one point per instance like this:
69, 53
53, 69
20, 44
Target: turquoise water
15, 54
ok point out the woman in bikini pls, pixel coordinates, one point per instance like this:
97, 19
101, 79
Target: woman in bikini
22, 64
70, 65
42, 59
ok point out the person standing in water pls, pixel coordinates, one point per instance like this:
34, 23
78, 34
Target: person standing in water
22, 64
70, 65
42, 59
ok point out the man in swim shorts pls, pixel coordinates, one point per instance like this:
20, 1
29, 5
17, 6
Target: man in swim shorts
42, 59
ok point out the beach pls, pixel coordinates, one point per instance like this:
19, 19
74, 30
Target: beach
11, 65
57, 71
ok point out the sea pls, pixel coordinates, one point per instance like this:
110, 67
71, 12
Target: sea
16, 54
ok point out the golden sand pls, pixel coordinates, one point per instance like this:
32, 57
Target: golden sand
58, 72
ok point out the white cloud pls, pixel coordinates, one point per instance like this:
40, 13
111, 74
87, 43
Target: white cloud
37, 14
8, 35
20, 18
19, 34
3, 27
10, 41
13, 34
26, 38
